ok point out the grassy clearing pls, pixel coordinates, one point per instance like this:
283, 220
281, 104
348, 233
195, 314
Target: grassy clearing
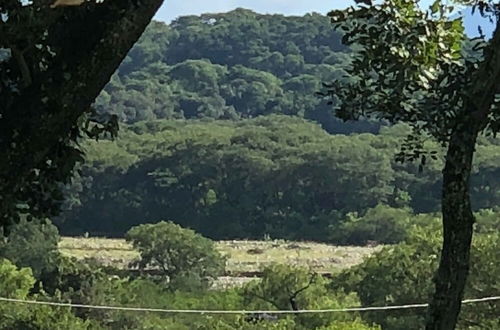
248, 256
243, 256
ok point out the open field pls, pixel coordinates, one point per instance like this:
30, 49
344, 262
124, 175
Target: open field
244, 257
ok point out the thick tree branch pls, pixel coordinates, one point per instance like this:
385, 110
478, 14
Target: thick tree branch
90, 42
18, 56
23, 66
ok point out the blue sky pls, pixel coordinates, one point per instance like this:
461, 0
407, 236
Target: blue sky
174, 8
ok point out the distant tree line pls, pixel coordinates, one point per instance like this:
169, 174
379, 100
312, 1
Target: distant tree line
275, 175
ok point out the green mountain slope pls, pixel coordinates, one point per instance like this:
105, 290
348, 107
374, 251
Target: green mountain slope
229, 66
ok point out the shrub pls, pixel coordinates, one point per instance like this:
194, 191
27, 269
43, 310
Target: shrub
487, 221
17, 283
14, 282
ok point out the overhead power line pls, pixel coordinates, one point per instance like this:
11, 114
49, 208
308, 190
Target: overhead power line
202, 311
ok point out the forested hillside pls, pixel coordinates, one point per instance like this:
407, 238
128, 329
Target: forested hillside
228, 66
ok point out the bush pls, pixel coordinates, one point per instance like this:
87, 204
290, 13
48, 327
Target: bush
17, 283
487, 221
32, 244
383, 224
14, 282
183, 257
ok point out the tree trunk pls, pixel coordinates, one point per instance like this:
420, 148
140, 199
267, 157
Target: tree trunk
458, 219
458, 223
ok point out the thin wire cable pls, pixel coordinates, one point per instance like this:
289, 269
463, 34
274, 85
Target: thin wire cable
200, 311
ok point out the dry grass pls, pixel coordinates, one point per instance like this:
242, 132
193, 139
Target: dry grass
243, 256
248, 256
110, 252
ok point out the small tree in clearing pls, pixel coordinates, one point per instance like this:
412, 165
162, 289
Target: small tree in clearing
179, 253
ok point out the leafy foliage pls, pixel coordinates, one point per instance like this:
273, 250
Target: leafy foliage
409, 70
411, 66
286, 287
381, 224
53, 64
17, 283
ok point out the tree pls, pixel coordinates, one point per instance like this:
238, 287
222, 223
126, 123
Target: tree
230, 65
54, 64
177, 252
273, 175
296, 288
283, 287
412, 66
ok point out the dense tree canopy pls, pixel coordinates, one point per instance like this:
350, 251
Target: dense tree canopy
183, 256
216, 138
273, 175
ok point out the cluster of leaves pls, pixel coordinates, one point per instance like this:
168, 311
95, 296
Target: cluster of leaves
32, 244
234, 65
17, 283
381, 224
388, 225
284, 287
25, 55
32, 268
272, 175
416, 67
